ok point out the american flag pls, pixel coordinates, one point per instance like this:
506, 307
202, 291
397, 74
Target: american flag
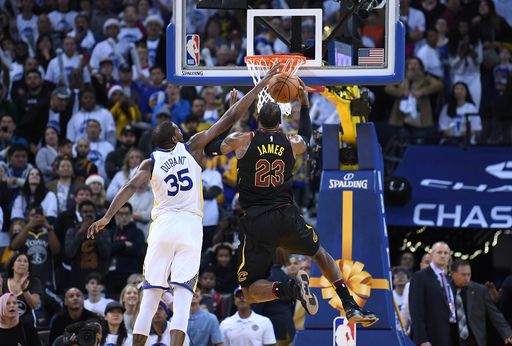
370, 56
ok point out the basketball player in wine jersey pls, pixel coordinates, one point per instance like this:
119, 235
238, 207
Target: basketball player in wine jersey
175, 238
266, 159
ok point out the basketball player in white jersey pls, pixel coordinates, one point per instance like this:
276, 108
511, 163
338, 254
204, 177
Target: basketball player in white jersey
175, 239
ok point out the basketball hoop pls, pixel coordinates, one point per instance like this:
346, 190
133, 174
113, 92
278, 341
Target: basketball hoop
259, 65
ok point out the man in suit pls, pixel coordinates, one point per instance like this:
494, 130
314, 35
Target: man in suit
431, 302
473, 304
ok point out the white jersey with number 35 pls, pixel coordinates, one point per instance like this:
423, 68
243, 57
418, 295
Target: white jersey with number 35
176, 182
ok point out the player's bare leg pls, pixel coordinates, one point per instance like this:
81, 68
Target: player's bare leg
177, 337
139, 340
329, 269
298, 288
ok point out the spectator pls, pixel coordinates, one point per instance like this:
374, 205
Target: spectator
407, 261
60, 67
189, 126
412, 109
130, 299
142, 202
203, 327
179, 108
132, 160
239, 329
451, 14
492, 31
456, 115
64, 186
38, 239
25, 287
442, 47
83, 36
130, 30
429, 55
26, 22
60, 112
212, 188
72, 312
45, 50
78, 122
12, 330
465, 58
7, 107
115, 158
47, 154
124, 110
146, 142
157, 83
126, 81
116, 332
432, 303
414, 21
98, 194
63, 19
160, 333
400, 279
17, 167
212, 105
95, 301
33, 107
154, 25
473, 304
8, 136
83, 167
86, 255
101, 14
128, 249
224, 268
211, 299
103, 80
404, 310
35, 193
432, 10
99, 149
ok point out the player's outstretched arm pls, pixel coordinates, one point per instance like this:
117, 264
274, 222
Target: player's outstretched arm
232, 115
140, 178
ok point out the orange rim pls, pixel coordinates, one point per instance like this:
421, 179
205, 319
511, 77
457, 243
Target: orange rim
270, 59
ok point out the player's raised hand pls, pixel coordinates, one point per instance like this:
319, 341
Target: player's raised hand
271, 73
303, 94
97, 227
234, 97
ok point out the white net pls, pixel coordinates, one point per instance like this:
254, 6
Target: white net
259, 65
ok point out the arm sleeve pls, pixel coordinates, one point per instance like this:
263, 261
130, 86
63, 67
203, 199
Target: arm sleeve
213, 148
305, 124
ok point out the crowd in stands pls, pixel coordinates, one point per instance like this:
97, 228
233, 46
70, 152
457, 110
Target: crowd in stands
82, 85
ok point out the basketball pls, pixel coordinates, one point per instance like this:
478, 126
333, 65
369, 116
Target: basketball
284, 87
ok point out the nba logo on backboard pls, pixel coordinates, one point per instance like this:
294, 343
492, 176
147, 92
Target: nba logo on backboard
344, 332
192, 50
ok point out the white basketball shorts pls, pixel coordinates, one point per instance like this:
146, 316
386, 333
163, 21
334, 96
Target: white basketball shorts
174, 251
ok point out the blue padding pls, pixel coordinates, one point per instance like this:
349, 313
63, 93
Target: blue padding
330, 147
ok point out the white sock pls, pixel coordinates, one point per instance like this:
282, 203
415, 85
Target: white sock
148, 306
181, 308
